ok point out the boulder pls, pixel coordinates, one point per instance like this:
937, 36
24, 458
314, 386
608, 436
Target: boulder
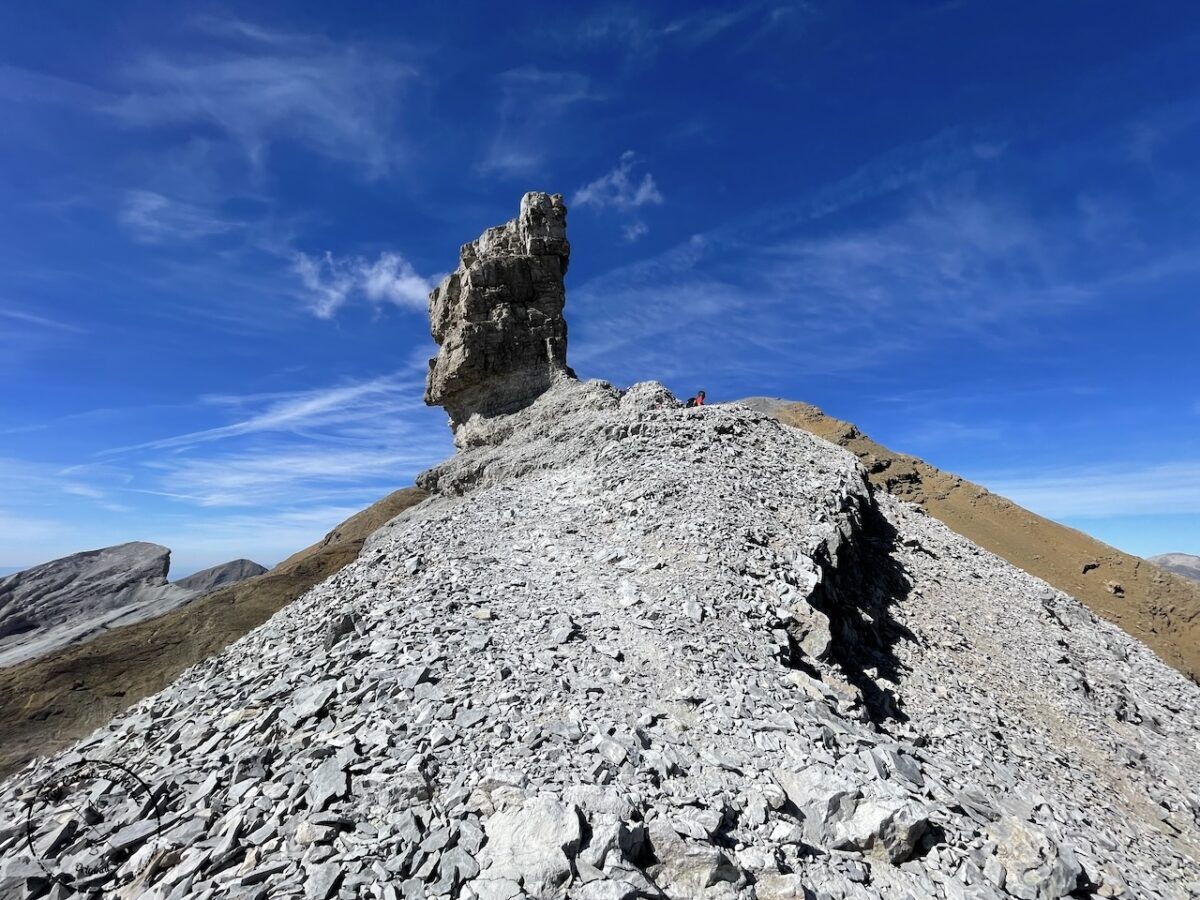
686, 868
1037, 867
838, 817
531, 846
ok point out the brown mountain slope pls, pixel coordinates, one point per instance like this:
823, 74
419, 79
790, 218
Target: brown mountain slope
1160, 609
48, 702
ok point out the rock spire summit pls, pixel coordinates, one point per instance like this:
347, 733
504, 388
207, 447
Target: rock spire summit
498, 318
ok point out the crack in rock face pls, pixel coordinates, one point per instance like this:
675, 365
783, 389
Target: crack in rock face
498, 318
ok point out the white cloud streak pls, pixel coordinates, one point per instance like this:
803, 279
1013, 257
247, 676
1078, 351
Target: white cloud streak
23, 317
641, 36
302, 410
258, 88
153, 218
330, 282
284, 470
950, 261
312, 447
274, 476
532, 105
634, 230
1117, 490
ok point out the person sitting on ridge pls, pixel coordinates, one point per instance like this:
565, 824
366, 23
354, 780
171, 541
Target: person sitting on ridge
698, 400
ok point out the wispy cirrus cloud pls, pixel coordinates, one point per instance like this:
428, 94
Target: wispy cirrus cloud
257, 87
299, 412
26, 318
153, 218
327, 282
336, 443
273, 476
1112, 490
532, 104
277, 471
619, 188
635, 230
641, 34
927, 252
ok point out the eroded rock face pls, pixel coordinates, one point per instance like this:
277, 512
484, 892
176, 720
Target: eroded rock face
73, 599
67, 600
498, 318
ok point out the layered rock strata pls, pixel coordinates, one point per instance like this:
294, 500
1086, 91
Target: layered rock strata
636, 650
69, 599
498, 318
73, 599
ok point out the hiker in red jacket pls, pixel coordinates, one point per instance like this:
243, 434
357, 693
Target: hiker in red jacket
698, 400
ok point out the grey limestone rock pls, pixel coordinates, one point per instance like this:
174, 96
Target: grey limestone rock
687, 868
498, 318
1036, 866
72, 599
532, 846
220, 575
837, 816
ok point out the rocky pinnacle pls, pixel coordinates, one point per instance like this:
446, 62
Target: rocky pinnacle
498, 318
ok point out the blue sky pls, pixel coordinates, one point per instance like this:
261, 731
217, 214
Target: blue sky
971, 228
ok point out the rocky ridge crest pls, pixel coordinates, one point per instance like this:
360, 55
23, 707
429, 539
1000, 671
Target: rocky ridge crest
220, 575
71, 600
629, 649
636, 650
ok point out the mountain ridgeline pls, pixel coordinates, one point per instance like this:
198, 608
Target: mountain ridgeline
626, 649
73, 599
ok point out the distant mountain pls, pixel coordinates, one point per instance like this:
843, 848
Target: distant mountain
1180, 563
71, 600
218, 576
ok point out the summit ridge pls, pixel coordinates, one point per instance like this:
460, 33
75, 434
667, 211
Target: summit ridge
628, 649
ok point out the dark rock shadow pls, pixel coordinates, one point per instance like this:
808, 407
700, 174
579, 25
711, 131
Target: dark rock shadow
858, 594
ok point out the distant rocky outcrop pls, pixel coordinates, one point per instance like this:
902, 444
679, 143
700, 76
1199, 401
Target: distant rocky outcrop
498, 318
218, 576
69, 600
64, 694
1184, 564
